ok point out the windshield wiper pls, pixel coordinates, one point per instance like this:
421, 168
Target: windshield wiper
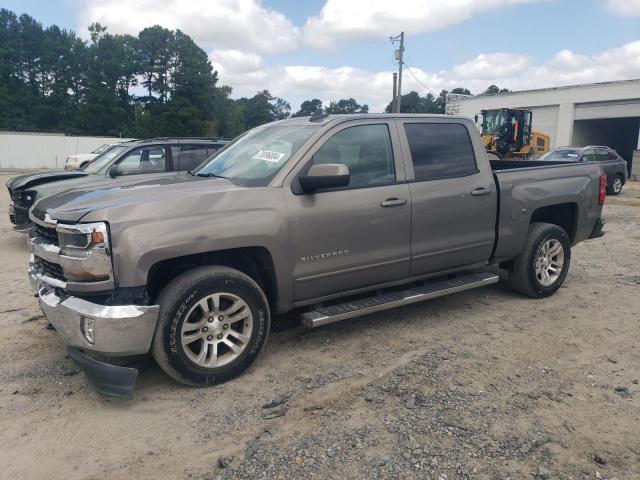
205, 174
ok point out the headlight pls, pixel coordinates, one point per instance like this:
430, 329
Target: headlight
27, 198
84, 252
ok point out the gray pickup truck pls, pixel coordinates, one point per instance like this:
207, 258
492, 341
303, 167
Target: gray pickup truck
334, 216
153, 156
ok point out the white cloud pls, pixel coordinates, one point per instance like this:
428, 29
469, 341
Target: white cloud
228, 24
507, 70
492, 65
342, 19
235, 61
627, 8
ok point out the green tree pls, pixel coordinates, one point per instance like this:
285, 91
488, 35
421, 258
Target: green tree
52, 80
309, 107
262, 108
494, 89
155, 47
461, 91
348, 105
412, 102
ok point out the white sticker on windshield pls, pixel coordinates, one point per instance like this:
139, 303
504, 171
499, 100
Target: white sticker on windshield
268, 156
572, 155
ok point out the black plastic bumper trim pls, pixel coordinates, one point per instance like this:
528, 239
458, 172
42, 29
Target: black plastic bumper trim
597, 231
107, 379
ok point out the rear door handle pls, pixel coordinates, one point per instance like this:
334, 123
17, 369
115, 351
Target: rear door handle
481, 191
393, 202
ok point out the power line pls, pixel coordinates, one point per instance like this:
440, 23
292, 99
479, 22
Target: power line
417, 80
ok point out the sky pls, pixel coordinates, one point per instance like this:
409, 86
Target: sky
332, 49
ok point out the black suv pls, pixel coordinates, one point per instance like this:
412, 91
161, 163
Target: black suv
614, 166
135, 157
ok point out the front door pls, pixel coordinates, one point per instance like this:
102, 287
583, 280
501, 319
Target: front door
454, 200
354, 236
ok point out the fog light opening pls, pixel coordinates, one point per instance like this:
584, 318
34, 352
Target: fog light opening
86, 327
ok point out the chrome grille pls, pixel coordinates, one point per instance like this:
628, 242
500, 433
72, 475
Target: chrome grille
48, 235
49, 269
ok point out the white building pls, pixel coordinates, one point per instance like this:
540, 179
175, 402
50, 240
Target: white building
605, 113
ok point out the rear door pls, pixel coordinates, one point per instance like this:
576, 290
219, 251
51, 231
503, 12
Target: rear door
355, 236
453, 195
192, 155
608, 165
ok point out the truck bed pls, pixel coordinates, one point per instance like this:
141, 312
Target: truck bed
525, 186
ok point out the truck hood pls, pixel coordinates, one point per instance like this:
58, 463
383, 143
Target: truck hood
90, 182
72, 205
22, 182
82, 156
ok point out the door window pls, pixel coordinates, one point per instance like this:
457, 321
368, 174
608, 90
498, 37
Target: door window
440, 150
589, 155
192, 155
144, 160
366, 150
603, 154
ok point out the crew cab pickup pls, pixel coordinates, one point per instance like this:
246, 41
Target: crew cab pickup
334, 216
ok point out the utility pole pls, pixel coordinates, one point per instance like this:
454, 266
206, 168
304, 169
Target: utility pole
398, 57
394, 96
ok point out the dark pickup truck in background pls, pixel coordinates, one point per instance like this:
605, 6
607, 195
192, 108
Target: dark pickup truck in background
135, 157
335, 216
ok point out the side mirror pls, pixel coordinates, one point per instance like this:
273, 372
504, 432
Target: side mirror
327, 175
116, 171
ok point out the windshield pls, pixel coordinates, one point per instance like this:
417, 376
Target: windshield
253, 159
101, 148
564, 154
493, 121
104, 159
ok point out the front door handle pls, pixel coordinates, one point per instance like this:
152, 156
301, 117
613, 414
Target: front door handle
481, 191
393, 202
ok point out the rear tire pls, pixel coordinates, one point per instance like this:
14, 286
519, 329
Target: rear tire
543, 264
210, 312
616, 185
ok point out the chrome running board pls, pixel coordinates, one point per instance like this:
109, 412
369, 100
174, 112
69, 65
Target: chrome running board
385, 301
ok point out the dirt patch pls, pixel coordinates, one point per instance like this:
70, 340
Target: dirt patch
483, 384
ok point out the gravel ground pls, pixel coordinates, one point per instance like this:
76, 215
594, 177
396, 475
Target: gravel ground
483, 384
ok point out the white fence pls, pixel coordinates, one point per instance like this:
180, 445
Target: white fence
26, 150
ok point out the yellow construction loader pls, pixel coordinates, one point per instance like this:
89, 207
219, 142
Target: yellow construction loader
507, 134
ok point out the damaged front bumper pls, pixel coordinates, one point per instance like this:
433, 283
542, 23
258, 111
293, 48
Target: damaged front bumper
19, 217
106, 330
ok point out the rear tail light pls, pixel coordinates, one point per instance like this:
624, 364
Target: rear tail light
603, 189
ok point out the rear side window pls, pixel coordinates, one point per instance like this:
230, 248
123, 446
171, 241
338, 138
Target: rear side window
192, 155
603, 154
589, 155
440, 150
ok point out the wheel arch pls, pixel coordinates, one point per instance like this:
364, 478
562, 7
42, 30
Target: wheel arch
564, 215
256, 262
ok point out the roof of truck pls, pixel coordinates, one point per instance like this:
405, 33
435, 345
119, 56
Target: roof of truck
174, 140
323, 119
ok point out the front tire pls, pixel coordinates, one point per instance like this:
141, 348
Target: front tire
543, 264
213, 322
